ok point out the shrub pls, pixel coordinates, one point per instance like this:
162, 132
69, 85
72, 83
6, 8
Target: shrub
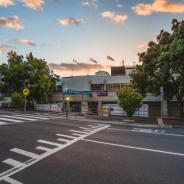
129, 100
17, 99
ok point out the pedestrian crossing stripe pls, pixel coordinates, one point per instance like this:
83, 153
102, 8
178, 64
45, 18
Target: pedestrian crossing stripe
33, 158
6, 119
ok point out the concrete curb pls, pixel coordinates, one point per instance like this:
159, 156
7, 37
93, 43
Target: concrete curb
113, 122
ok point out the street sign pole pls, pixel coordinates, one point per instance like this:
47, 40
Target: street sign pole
25, 93
25, 98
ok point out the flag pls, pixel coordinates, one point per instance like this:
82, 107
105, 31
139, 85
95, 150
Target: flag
109, 58
75, 61
92, 60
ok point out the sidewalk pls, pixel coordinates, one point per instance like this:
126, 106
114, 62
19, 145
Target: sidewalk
110, 122
140, 121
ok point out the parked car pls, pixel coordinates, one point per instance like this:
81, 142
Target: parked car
5, 102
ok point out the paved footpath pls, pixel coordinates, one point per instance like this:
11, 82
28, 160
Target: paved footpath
54, 151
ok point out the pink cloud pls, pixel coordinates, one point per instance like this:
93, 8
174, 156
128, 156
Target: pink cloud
12, 22
69, 21
26, 42
4, 47
117, 18
92, 3
6, 3
158, 6
34, 4
142, 46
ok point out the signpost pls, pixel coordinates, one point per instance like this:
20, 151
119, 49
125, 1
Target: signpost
25, 93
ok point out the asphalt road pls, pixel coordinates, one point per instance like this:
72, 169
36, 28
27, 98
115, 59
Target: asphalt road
44, 148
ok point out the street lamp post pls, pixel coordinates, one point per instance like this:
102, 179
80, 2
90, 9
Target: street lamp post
67, 105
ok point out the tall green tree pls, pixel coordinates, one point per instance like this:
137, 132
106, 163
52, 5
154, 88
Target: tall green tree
36, 71
163, 65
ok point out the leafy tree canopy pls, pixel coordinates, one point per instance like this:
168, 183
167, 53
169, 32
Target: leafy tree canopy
163, 65
36, 71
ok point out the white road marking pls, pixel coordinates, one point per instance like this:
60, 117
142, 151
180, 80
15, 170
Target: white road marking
43, 148
67, 136
153, 132
49, 143
3, 123
13, 162
64, 140
88, 129
21, 118
135, 147
25, 153
11, 120
5, 175
77, 131
77, 134
12, 181
33, 116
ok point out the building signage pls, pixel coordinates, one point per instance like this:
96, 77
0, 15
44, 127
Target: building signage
75, 92
102, 93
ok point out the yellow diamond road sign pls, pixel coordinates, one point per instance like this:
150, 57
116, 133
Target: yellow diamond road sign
26, 92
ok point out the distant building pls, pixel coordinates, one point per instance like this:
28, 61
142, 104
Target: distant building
92, 91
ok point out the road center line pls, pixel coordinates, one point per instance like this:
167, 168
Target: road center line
135, 148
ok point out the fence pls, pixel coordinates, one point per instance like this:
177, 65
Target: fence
141, 112
49, 107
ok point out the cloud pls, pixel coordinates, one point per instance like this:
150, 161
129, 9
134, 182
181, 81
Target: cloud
12, 22
92, 3
142, 46
26, 42
34, 4
117, 18
6, 3
4, 47
66, 69
159, 6
119, 4
69, 21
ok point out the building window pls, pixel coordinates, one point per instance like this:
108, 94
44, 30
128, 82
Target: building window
59, 88
97, 87
114, 87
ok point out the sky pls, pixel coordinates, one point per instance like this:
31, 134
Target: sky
61, 31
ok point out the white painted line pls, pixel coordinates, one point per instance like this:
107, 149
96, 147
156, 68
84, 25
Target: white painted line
77, 131
25, 153
3, 123
37, 117
79, 135
67, 136
87, 129
11, 120
135, 148
12, 181
49, 143
95, 125
154, 132
21, 118
13, 162
43, 148
64, 140
5, 175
